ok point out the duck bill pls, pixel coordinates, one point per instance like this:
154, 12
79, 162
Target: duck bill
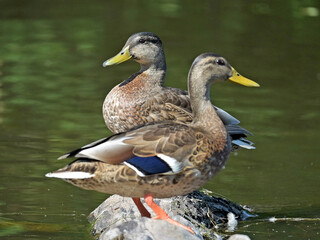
237, 78
122, 56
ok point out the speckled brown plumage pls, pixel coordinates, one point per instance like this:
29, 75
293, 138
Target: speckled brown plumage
139, 102
202, 162
122, 180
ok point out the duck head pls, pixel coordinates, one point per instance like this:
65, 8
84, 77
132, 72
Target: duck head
144, 47
210, 67
205, 70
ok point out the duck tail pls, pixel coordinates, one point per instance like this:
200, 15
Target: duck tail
81, 168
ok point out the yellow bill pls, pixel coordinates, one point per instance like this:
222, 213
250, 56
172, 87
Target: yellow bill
122, 56
237, 78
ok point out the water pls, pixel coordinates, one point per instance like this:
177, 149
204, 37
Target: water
52, 86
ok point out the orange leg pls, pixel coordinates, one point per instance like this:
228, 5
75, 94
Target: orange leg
161, 214
143, 211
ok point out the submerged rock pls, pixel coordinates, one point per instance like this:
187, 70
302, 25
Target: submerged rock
118, 218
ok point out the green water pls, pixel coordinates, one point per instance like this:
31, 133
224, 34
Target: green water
52, 86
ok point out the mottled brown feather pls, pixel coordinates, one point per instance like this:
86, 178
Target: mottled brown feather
124, 108
160, 139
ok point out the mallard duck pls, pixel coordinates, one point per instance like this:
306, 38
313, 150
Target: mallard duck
142, 98
161, 159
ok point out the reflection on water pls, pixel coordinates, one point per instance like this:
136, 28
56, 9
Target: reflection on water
52, 86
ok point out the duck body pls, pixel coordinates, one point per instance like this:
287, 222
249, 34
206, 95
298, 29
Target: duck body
202, 160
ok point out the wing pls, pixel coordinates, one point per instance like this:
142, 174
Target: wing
168, 105
111, 150
152, 149
159, 164
174, 104
181, 101
160, 148
166, 138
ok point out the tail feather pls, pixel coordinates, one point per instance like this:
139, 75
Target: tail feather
237, 130
80, 168
238, 135
226, 117
243, 143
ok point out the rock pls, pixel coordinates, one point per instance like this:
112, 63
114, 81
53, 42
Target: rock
118, 218
148, 229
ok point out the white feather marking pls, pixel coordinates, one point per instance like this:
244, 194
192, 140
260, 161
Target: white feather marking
70, 175
135, 169
243, 144
175, 165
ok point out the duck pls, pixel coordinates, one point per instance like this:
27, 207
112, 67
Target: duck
161, 159
143, 98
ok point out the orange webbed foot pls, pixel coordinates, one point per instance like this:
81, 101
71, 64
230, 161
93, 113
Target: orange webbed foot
161, 214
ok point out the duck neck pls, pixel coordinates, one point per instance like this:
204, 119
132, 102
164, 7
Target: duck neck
204, 114
155, 70
150, 76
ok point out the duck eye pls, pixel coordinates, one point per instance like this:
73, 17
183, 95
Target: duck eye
220, 62
154, 41
141, 40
